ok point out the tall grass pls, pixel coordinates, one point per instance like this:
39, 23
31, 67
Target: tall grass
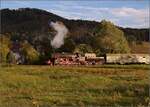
44, 86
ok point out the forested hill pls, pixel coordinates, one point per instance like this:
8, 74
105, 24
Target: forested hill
27, 31
26, 20
29, 20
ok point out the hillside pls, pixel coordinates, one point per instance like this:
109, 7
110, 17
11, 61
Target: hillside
142, 48
30, 20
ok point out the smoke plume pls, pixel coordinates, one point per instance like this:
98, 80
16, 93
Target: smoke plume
62, 31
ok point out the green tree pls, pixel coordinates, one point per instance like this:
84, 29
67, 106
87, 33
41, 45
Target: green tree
68, 46
83, 48
109, 39
32, 56
4, 48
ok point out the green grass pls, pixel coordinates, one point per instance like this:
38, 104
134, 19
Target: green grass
44, 86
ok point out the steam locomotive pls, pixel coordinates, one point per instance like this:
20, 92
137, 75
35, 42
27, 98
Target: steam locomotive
92, 59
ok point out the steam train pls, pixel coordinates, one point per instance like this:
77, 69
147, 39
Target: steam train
92, 59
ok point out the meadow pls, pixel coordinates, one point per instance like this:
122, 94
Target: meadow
45, 86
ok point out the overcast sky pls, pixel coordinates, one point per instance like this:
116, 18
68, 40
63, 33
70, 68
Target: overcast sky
126, 13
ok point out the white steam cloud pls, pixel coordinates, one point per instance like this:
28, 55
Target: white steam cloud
62, 31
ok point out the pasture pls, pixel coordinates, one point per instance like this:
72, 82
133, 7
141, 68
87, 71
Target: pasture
45, 86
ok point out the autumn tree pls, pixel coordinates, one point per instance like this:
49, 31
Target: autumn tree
109, 39
4, 48
32, 56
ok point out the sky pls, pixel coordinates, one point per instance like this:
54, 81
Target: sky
125, 13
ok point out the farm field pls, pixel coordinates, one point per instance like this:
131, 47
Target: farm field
45, 86
141, 48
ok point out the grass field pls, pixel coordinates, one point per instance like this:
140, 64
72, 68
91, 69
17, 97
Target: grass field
44, 86
141, 48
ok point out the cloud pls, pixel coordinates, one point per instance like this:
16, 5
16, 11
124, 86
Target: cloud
131, 12
126, 15
69, 15
123, 16
22, 3
124, 11
131, 16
